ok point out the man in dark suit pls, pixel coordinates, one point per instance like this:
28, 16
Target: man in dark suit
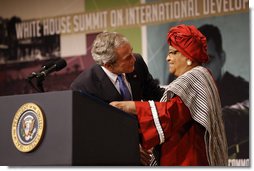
96, 82
113, 55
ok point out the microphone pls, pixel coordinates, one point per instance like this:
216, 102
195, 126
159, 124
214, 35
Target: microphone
57, 66
43, 67
45, 70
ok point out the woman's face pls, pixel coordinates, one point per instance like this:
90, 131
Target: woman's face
177, 63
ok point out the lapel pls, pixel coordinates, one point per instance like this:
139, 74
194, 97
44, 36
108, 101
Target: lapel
134, 80
107, 89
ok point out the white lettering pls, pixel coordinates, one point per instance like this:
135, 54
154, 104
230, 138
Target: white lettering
245, 4
213, 5
28, 29
148, 14
90, 21
137, 14
56, 26
177, 10
184, 8
225, 5
143, 13
154, 13
238, 4
68, 25
161, 12
130, 16
219, 6
206, 7
116, 18
196, 8
238, 162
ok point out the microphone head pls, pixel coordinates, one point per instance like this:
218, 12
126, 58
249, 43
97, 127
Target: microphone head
60, 64
47, 65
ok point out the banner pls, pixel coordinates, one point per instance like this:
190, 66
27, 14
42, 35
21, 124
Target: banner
143, 14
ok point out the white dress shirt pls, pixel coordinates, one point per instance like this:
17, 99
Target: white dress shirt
113, 79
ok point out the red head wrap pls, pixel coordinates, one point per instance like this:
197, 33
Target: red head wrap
189, 41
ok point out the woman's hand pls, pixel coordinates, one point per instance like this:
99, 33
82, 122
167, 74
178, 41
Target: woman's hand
126, 106
145, 156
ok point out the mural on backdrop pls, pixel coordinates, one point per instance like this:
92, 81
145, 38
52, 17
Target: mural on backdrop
36, 33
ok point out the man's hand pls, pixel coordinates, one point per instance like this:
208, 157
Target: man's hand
127, 106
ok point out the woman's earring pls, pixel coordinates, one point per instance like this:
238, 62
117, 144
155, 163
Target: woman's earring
189, 62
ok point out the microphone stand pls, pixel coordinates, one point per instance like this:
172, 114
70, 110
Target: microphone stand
47, 69
39, 83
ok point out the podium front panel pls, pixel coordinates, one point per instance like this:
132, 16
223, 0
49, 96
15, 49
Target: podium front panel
78, 130
54, 148
107, 136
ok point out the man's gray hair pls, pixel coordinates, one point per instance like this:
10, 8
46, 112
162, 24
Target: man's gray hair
104, 47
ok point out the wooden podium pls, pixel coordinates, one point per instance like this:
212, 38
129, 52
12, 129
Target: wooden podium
78, 130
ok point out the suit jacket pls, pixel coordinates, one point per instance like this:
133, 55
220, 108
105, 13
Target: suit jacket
94, 81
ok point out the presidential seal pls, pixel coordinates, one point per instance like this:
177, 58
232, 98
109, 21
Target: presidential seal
27, 127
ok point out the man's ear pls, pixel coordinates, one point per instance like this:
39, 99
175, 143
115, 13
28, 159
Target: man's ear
223, 57
108, 66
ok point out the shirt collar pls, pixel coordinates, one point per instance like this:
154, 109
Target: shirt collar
111, 75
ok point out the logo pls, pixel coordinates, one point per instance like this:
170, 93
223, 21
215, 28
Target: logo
27, 127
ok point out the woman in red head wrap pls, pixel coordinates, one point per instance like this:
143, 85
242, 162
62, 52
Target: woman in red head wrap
187, 122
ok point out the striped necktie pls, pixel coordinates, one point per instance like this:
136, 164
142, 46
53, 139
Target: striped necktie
123, 88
